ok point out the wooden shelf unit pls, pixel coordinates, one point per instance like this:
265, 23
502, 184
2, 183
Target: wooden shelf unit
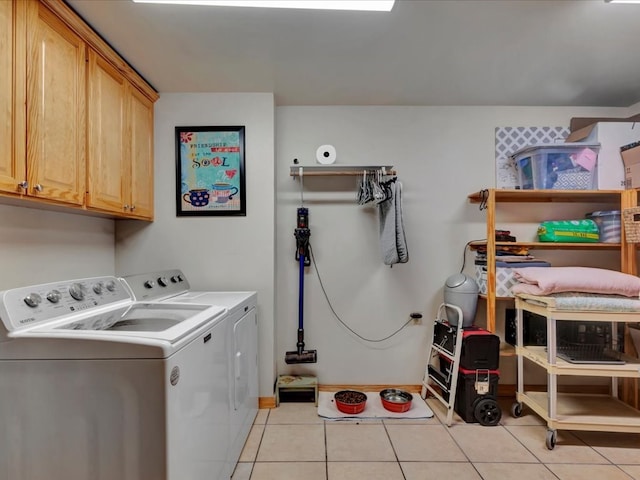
619, 199
551, 245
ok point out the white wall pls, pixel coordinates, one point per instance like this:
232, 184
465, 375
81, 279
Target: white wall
442, 154
216, 253
41, 246
634, 109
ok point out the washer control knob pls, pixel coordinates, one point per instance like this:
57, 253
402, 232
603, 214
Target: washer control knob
111, 285
163, 282
174, 279
149, 284
76, 290
33, 300
180, 278
98, 288
54, 296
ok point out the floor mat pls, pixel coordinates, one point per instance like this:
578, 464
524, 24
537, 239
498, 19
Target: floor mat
373, 408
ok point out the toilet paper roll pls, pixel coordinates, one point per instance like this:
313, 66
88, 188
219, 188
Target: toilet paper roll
326, 154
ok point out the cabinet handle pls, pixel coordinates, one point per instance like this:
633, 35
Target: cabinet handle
126, 207
38, 187
24, 184
133, 207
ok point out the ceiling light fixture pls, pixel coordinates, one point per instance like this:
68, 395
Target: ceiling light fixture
369, 5
622, 1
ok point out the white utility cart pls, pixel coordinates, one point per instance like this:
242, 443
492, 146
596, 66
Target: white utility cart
570, 411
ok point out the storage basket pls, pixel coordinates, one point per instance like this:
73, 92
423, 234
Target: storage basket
587, 353
631, 218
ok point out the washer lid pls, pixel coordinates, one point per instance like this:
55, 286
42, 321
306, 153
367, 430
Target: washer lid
167, 322
232, 301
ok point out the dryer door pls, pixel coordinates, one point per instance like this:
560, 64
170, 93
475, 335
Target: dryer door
245, 348
244, 388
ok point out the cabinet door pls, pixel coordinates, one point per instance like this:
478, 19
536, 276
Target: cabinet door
12, 95
141, 128
107, 155
56, 91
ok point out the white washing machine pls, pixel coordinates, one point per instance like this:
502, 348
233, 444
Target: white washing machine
242, 334
96, 386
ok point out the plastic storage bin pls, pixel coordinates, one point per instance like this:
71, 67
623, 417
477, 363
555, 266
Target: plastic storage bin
609, 225
558, 166
469, 391
473, 386
480, 348
505, 276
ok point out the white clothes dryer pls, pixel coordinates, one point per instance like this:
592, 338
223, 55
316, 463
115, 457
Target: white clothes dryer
242, 336
94, 385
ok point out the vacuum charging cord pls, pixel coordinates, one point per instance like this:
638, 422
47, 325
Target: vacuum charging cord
326, 296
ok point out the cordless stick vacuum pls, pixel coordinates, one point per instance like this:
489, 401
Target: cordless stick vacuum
302, 234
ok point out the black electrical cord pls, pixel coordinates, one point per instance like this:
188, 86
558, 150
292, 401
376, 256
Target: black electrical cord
464, 252
313, 259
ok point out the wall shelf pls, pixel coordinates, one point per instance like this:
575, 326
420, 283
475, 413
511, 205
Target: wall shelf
338, 170
549, 245
560, 196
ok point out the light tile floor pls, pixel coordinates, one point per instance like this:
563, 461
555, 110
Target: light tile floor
292, 443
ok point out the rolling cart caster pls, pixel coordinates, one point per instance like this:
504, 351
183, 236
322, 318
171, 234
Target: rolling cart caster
552, 437
516, 410
487, 412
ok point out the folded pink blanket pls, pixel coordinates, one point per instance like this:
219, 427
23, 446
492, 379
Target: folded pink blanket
547, 280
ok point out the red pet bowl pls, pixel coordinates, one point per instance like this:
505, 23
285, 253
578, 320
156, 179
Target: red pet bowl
397, 401
350, 402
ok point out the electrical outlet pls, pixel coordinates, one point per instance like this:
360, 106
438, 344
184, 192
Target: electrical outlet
416, 317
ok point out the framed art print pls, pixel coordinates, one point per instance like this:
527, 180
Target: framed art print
210, 171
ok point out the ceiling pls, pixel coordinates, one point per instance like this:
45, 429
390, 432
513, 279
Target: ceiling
425, 52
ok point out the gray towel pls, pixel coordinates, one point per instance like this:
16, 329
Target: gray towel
393, 243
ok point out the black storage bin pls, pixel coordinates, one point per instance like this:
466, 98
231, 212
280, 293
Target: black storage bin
534, 331
467, 395
480, 348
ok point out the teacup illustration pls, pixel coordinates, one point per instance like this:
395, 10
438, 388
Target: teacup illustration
224, 192
198, 197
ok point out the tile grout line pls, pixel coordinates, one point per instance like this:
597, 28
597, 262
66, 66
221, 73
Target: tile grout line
393, 448
326, 450
527, 449
255, 459
447, 427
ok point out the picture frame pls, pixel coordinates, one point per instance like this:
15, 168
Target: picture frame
210, 171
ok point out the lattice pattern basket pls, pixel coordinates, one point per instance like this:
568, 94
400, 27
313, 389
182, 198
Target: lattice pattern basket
631, 218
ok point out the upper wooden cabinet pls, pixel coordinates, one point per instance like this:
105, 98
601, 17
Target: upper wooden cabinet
56, 108
141, 142
76, 121
12, 96
107, 154
120, 156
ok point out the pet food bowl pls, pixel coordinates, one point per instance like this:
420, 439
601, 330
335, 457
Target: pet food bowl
350, 402
395, 400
